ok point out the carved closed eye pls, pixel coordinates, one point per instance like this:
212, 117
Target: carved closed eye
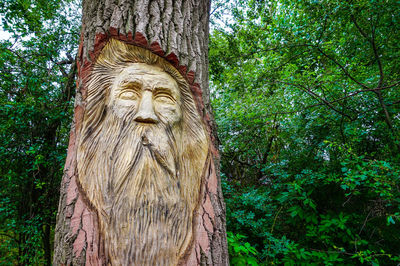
128, 95
163, 97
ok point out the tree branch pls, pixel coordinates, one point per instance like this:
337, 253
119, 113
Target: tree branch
316, 96
344, 70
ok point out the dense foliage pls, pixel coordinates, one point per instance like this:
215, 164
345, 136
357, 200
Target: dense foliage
306, 97
37, 50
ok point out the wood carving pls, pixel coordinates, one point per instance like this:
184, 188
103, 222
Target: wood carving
141, 156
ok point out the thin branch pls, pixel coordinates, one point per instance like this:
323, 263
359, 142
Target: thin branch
9, 236
393, 103
316, 96
389, 86
287, 61
363, 33
24, 59
69, 86
332, 252
344, 203
377, 90
215, 9
344, 70
323, 29
365, 222
377, 57
66, 62
354, 94
273, 225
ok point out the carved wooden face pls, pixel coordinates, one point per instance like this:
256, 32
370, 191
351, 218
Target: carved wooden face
148, 89
141, 156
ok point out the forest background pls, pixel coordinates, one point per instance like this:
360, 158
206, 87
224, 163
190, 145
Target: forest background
307, 101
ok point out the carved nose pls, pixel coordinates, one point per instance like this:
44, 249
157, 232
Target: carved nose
145, 112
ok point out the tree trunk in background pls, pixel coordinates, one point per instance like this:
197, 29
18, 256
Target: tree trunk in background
176, 30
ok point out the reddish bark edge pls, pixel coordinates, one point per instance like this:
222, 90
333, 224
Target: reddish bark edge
83, 220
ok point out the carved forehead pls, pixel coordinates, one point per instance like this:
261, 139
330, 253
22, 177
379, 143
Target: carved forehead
150, 77
120, 56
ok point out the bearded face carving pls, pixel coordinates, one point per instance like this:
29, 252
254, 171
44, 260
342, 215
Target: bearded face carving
141, 156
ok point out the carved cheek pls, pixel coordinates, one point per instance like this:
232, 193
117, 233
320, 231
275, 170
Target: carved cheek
123, 106
168, 112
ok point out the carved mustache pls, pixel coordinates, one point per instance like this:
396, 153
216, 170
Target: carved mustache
144, 131
146, 137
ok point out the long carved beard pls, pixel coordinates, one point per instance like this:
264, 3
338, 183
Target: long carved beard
132, 175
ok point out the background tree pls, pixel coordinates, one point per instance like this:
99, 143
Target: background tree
37, 74
311, 163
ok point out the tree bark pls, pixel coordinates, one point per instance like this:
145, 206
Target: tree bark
176, 30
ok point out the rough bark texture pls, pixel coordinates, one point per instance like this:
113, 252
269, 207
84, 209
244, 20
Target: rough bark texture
178, 31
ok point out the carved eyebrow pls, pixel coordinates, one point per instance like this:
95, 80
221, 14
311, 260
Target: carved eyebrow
162, 83
129, 85
162, 89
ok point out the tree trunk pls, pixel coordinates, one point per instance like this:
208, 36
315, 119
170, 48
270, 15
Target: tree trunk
176, 30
